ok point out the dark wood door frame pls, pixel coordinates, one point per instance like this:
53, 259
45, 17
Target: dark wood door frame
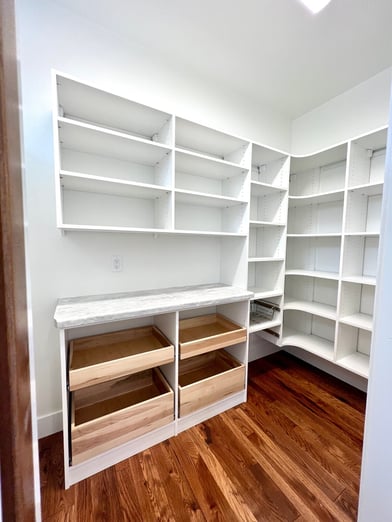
16, 450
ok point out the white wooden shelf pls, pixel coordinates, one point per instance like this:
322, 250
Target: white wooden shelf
270, 166
254, 223
355, 362
367, 159
69, 227
264, 293
368, 189
210, 214
359, 320
315, 235
208, 200
115, 187
191, 162
360, 256
364, 209
313, 273
267, 277
320, 219
318, 198
265, 259
357, 305
212, 233
318, 254
209, 142
362, 234
95, 140
262, 189
89, 104
362, 280
258, 326
311, 307
319, 173
353, 348
309, 342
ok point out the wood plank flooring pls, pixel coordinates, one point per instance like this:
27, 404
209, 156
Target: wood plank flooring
292, 452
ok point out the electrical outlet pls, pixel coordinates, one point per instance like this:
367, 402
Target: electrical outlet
117, 264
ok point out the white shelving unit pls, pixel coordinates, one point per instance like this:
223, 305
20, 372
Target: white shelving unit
267, 234
139, 368
332, 247
301, 234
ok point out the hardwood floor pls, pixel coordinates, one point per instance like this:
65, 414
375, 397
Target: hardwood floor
292, 452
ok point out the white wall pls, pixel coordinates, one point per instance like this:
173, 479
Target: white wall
356, 111
78, 264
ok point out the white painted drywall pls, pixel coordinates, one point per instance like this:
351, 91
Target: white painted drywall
50, 36
375, 502
357, 111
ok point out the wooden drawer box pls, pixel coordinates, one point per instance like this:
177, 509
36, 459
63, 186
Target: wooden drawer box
109, 414
208, 332
208, 378
99, 358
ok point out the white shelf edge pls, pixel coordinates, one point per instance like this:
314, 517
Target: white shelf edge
270, 188
259, 327
213, 159
260, 293
362, 280
131, 230
117, 134
322, 310
356, 362
332, 234
365, 186
318, 194
265, 259
358, 320
312, 273
363, 234
254, 223
309, 342
114, 181
217, 197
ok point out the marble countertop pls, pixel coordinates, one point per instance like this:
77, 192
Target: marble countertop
87, 310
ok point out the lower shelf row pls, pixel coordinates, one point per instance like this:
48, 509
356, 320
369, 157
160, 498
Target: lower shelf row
349, 347
114, 412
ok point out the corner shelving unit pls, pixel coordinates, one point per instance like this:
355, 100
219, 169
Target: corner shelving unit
297, 236
314, 243
332, 248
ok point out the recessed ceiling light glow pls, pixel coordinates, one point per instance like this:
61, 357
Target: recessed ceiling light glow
315, 5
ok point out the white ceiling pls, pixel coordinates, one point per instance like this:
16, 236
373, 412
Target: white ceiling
273, 51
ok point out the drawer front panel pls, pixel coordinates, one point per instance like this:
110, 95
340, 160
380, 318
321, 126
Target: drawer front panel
207, 333
100, 435
213, 389
96, 359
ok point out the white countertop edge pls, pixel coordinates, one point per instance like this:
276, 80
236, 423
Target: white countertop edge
73, 312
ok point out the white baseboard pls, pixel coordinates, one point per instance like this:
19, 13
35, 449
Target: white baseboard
49, 424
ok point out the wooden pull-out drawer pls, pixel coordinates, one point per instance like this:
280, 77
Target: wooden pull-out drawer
109, 414
99, 358
208, 378
207, 333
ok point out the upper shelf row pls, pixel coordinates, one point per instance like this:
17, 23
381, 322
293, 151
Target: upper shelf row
112, 146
